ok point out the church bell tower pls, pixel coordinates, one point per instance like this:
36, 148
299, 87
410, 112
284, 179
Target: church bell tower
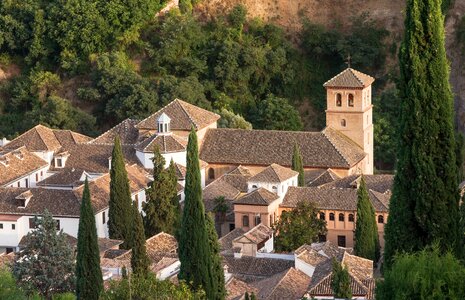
350, 111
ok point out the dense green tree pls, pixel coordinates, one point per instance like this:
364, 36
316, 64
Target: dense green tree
232, 120
46, 262
424, 204
298, 165
195, 252
9, 290
429, 274
366, 230
140, 262
276, 113
173, 180
340, 282
161, 213
89, 281
148, 288
298, 227
217, 266
462, 227
119, 214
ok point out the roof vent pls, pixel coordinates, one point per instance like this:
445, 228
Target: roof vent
163, 124
4, 161
18, 154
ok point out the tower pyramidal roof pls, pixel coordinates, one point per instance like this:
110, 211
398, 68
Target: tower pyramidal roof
350, 78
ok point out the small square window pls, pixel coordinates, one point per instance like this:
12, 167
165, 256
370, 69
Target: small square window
1, 225
13, 226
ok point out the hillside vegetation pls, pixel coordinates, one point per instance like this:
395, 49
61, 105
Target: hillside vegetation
86, 65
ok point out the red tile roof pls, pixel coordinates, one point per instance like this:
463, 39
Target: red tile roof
350, 78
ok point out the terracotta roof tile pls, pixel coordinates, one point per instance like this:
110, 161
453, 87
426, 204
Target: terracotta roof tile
257, 234
291, 284
274, 174
380, 183
166, 143
236, 289
260, 196
320, 177
335, 199
183, 116
256, 266
227, 240
350, 78
325, 149
18, 163
38, 138
67, 177
126, 130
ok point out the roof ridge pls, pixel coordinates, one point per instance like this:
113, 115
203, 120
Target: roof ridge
274, 171
332, 144
280, 280
355, 75
143, 120
184, 110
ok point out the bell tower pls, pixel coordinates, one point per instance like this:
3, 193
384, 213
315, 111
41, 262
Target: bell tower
350, 111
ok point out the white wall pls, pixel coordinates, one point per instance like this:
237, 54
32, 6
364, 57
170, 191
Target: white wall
146, 158
102, 228
169, 270
281, 188
46, 155
304, 267
31, 179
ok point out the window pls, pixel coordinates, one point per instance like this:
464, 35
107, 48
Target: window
381, 219
136, 200
57, 224
274, 188
232, 226
1, 225
211, 173
350, 101
103, 218
59, 163
341, 217
26, 182
37, 176
41, 173
341, 240
338, 100
18, 183
321, 238
271, 220
32, 223
322, 215
245, 221
257, 220
331, 217
351, 218
13, 226
343, 123
254, 186
9, 250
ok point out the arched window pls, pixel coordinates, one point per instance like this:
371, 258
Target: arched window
350, 100
351, 217
245, 221
341, 217
343, 123
381, 219
322, 215
274, 188
331, 217
211, 173
254, 186
338, 100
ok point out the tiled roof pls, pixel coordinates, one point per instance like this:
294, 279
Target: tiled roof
274, 174
323, 287
227, 240
67, 177
126, 130
241, 170
260, 196
310, 256
236, 289
180, 171
319, 177
183, 116
41, 138
350, 78
291, 284
166, 143
220, 188
326, 149
18, 163
57, 202
256, 235
380, 183
334, 199
256, 266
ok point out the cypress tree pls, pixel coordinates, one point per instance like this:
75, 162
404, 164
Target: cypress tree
195, 254
139, 260
298, 165
173, 179
160, 211
217, 269
119, 215
366, 231
424, 204
89, 282
340, 282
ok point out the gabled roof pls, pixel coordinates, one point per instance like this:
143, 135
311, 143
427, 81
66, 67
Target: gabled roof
260, 196
326, 149
227, 240
166, 143
256, 266
274, 174
68, 177
183, 116
18, 163
349, 78
319, 177
38, 138
380, 182
256, 235
126, 130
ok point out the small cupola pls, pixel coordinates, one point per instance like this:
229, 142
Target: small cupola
23, 199
163, 124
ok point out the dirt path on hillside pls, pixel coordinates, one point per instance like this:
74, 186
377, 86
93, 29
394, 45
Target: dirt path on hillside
457, 60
